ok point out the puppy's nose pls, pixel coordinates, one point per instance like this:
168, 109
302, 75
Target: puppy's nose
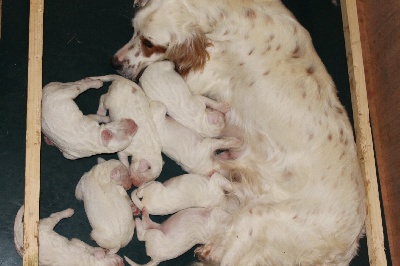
116, 63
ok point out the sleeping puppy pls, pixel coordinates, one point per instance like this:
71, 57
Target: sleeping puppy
107, 205
187, 148
161, 83
178, 233
56, 250
125, 99
181, 192
75, 134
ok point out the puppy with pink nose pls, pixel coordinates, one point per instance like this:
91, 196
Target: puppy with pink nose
125, 99
107, 205
77, 135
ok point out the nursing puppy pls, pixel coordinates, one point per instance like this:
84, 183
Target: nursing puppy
178, 233
181, 192
56, 250
125, 99
75, 134
162, 83
194, 153
107, 205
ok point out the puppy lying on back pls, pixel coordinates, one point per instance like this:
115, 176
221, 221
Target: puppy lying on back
75, 134
161, 83
187, 148
178, 233
107, 205
125, 99
181, 192
56, 250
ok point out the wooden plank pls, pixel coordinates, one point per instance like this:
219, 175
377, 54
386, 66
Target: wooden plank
380, 35
373, 223
33, 134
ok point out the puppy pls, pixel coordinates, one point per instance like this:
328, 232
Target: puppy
107, 205
125, 99
178, 233
75, 134
55, 249
190, 150
181, 192
161, 83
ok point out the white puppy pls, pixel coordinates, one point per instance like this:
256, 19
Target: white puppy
57, 250
181, 192
178, 233
125, 99
107, 205
75, 134
190, 150
161, 83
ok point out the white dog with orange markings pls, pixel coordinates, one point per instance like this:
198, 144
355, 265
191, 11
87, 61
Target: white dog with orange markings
304, 194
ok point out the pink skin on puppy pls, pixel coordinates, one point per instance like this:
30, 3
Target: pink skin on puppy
178, 233
57, 250
75, 134
162, 83
108, 207
125, 99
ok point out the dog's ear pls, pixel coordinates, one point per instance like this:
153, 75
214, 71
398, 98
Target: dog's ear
189, 54
140, 3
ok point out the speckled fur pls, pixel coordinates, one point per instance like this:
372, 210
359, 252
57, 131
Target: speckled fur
302, 193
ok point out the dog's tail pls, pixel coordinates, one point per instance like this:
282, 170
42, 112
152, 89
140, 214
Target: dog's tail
132, 263
19, 231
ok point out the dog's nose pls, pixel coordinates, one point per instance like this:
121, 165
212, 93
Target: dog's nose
116, 63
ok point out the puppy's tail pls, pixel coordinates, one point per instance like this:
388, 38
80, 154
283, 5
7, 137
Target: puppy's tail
132, 263
19, 231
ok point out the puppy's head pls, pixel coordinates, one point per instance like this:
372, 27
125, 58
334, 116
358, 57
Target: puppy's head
163, 30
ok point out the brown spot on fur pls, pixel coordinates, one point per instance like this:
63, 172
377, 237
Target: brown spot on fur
250, 13
296, 53
190, 55
226, 32
339, 110
251, 51
149, 49
133, 89
251, 232
266, 73
251, 83
342, 155
304, 94
310, 70
278, 47
241, 64
330, 137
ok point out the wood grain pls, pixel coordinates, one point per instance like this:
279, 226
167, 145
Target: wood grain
380, 35
33, 134
362, 126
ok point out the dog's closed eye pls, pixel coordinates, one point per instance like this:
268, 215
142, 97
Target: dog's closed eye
147, 43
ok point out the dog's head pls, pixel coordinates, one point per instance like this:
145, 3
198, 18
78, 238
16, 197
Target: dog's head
164, 29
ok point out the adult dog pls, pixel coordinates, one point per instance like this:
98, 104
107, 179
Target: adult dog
300, 187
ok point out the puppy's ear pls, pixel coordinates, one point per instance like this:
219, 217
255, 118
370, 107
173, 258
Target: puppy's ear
191, 53
140, 3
